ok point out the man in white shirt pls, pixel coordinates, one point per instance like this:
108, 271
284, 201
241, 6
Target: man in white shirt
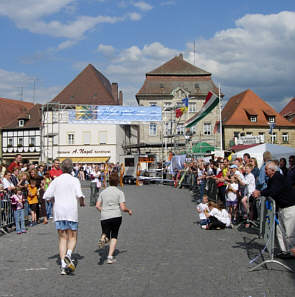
95, 184
65, 190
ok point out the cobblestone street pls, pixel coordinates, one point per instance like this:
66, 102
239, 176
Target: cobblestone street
161, 252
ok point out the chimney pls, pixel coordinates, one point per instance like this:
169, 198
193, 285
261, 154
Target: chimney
120, 98
115, 92
181, 56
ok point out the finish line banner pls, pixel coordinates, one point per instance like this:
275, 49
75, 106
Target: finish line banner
114, 114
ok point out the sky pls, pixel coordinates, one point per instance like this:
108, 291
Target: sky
246, 44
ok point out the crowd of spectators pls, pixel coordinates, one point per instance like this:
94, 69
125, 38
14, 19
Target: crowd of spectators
23, 184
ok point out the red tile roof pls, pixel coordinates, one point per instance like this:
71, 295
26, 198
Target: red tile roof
90, 87
289, 110
174, 74
178, 66
10, 109
32, 119
234, 113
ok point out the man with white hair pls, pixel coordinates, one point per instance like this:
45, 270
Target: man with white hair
65, 190
281, 191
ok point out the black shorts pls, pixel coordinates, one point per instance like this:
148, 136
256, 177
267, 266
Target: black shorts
110, 227
34, 207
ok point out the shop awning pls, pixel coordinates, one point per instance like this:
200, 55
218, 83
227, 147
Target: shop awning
86, 159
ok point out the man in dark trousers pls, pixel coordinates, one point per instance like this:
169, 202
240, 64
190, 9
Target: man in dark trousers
284, 195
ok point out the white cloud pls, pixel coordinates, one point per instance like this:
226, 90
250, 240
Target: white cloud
106, 50
258, 54
31, 14
20, 86
142, 5
134, 16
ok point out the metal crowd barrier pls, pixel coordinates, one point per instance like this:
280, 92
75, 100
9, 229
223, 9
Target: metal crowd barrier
268, 223
6, 213
211, 189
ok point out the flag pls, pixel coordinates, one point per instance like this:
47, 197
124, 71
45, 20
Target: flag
185, 101
216, 127
211, 101
271, 127
178, 112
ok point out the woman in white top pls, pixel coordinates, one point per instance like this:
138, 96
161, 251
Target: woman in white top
111, 203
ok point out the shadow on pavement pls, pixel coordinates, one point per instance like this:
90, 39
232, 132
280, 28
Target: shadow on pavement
103, 254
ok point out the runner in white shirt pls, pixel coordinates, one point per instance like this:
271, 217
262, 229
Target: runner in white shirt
65, 190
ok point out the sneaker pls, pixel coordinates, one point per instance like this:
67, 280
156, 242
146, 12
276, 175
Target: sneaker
25, 231
63, 271
70, 264
18, 233
204, 227
111, 260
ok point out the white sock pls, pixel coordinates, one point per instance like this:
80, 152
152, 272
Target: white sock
63, 263
110, 257
69, 253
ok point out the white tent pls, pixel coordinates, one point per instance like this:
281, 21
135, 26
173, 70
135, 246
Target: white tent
277, 152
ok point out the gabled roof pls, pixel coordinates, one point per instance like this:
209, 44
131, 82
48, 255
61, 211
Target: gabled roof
32, 119
10, 109
234, 113
289, 110
178, 66
90, 87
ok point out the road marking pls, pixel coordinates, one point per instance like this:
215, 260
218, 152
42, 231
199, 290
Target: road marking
35, 269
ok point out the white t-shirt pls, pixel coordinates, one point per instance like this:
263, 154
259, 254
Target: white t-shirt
201, 207
110, 199
221, 215
95, 175
7, 183
250, 184
231, 196
65, 189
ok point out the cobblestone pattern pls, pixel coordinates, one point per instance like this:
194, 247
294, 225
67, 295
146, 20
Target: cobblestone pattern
161, 252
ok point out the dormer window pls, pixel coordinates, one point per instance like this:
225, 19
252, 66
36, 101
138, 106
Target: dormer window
21, 123
271, 119
253, 118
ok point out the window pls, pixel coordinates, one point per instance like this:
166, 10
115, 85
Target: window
129, 162
236, 134
192, 107
207, 128
273, 137
86, 137
253, 118
21, 123
271, 119
20, 141
180, 129
102, 137
168, 128
32, 141
10, 142
285, 137
153, 129
153, 103
194, 129
71, 138
249, 133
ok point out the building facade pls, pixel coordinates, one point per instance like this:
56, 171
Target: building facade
166, 87
247, 119
83, 141
23, 136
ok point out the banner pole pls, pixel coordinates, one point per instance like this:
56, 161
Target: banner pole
220, 119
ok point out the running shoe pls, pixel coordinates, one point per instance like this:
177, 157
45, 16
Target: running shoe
111, 260
70, 264
63, 271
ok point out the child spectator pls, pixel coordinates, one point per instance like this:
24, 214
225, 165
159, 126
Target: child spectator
249, 183
218, 216
17, 202
232, 190
33, 201
201, 208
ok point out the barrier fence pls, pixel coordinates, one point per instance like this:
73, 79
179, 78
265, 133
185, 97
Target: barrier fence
268, 224
6, 213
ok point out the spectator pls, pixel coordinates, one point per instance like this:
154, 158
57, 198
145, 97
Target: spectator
15, 163
232, 190
17, 202
55, 170
33, 201
7, 183
283, 193
283, 166
291, 171
95, 185
262, 178
201, 208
